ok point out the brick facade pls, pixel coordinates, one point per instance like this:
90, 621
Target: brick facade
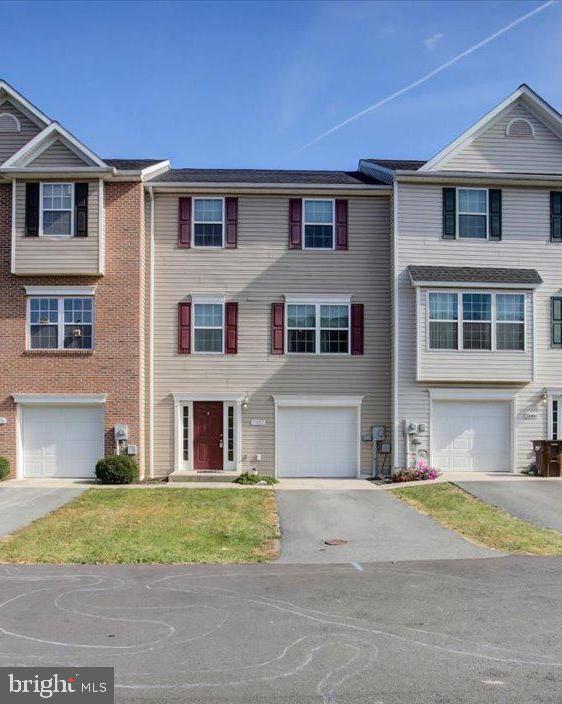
115, 367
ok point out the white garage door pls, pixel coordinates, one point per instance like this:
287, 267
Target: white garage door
316, 442
471, 436
61, 441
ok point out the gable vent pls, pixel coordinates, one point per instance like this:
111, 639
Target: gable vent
9, 123
519, 128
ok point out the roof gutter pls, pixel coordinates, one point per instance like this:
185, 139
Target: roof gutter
405, 176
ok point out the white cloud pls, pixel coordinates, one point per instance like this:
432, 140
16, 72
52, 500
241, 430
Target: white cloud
431, 42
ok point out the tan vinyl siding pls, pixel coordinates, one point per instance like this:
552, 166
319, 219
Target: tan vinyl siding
256, 274
492, 150
526, 243
52, 255
58, 154
11, 142
472, 365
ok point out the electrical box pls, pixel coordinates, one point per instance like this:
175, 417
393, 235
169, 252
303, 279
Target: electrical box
385, 447
378, 432
121, 432
131, 449
410, 427
422, 428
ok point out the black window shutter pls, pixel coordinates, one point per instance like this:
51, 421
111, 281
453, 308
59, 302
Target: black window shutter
31, 209
555, 216
556, 320
449, 213
495, 213
81, 209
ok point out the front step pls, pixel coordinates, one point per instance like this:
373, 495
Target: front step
203, 476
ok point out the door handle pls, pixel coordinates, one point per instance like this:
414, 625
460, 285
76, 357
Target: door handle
221, 444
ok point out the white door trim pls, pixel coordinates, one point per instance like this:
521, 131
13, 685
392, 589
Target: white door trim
183, 399
509, 396
318, 401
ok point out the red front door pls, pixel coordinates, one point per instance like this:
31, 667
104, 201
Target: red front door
208, 437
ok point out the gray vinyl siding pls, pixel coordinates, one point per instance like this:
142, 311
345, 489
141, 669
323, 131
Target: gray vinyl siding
525, 243
11, 142
260, 271
492, 150
58, 154
472, 365
48, 255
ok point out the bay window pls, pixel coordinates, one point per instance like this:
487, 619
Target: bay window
476, 321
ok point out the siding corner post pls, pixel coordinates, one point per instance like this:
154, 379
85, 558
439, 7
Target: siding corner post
13, 228
101, 227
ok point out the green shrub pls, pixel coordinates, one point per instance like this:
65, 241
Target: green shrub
116, 469
248, 478
4, 468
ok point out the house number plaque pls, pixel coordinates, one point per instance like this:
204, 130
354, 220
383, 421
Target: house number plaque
257, 421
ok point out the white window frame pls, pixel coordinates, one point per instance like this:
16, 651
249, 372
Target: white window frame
56, 183
200, 222
305, 223
317, 327
203, 300
459, 213
493, 320
60, 325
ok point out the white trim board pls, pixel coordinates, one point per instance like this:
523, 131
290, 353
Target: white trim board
60, 290
317, 400
60, 399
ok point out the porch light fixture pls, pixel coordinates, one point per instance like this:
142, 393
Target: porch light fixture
245, 402
544, 398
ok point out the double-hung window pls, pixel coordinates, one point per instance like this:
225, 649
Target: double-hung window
318, 328
57, 209
208, 222
472, 209
476, 321
318, 223
556, 321
65, 323
208, 328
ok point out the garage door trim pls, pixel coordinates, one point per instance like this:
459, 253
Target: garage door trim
320, 401
509, 396
23, 400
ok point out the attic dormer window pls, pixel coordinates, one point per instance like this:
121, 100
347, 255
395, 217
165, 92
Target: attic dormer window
519, 128
9, 123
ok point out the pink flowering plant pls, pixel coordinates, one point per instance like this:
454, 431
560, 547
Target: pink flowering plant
420, 472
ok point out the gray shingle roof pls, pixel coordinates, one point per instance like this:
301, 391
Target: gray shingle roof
265, 176
133, 164
398, 164
470, 274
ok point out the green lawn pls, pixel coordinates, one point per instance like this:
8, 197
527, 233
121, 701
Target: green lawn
152, 525
479, 522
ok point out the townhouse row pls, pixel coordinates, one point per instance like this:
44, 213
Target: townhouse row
299, 323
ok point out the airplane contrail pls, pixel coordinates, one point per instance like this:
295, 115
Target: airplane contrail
423, 79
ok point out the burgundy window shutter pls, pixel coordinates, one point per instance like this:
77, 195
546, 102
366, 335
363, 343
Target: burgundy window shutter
231, 317
295, 223
184, 222
341, 224
277, 328
184, 327
231, 210
357, 328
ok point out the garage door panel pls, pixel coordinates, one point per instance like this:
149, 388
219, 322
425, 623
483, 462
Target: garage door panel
471, 435
316, 442
61, 441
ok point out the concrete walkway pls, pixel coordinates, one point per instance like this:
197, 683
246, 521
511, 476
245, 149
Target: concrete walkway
19, 506
536, 502
377, 526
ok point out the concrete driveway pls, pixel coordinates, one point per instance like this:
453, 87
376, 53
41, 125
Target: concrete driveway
534, 501
20, 505
377, 526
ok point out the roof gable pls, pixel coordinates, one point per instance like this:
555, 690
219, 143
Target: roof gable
59, 141
7, 92
486, 145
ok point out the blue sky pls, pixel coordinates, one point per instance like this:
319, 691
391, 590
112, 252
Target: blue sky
245, 84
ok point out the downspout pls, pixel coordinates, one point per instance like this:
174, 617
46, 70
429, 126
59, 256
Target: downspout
395, 329
151, 338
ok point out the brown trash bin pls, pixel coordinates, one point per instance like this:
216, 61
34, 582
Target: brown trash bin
548, 457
